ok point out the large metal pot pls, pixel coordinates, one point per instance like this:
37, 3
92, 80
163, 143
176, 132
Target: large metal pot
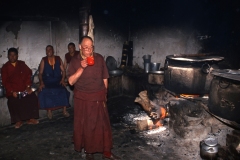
224, 95
189, 74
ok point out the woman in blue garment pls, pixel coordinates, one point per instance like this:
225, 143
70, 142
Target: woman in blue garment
52, 90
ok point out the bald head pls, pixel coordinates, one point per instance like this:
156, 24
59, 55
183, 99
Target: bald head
86, 46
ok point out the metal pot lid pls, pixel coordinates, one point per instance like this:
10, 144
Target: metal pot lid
194, 57
111, 63
227, 73
211, 141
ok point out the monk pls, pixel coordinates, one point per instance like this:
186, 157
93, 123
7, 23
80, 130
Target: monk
68, 56
92, 129
16, 77
52, 90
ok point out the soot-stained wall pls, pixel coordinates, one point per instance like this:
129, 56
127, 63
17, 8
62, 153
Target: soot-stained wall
158, 28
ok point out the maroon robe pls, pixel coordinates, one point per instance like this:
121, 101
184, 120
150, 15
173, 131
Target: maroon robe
68, 57
16, 79
92, 129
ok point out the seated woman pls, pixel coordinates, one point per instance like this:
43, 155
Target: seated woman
53, 93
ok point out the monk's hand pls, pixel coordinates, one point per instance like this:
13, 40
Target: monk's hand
29, 90
62, 82
14, 94
83, 64
41, 87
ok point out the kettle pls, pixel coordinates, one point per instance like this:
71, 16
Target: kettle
209, 148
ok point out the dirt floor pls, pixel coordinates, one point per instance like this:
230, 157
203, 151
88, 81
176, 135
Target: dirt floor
52, 139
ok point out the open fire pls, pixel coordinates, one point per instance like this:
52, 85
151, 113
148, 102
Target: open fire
156, 112
189, 120
183, 96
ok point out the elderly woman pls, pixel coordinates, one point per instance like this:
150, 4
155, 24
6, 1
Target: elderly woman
53, 93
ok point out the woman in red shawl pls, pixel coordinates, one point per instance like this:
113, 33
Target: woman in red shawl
16, 77
92, 129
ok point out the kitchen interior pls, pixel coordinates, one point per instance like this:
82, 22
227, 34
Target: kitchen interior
174, 66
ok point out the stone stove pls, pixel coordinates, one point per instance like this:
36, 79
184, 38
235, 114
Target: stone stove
189, 122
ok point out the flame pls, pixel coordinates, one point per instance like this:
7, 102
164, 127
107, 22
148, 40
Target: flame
163, 113
157, 123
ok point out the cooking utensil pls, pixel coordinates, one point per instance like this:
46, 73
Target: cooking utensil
111, 63
224, 95
147, 58
156, 72
209, 148
154, 66
189, 75
146, 67
117, 72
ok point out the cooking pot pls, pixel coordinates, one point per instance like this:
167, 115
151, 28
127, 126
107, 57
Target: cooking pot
154, 66
209, 148
156, 77
224, 94
189, 74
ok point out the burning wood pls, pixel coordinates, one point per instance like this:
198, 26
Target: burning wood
150, 107
144, 101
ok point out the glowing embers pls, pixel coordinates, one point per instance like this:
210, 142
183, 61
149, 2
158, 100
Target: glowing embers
147, 123
188, 96
192, 96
